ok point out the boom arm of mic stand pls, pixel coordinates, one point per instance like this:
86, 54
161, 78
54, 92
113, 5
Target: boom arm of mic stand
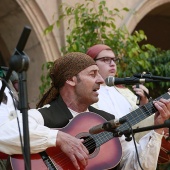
150, 76
128, 132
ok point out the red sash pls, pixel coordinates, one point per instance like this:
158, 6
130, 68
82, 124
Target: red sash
3, 155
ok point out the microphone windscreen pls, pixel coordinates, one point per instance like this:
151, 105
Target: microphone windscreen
110, 81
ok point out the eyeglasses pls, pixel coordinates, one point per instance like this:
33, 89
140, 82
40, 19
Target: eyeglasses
108, 60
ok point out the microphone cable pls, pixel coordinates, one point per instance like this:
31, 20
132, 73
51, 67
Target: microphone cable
138, 97
19, 129
137, 154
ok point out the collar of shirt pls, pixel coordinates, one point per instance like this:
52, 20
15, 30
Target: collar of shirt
74, 113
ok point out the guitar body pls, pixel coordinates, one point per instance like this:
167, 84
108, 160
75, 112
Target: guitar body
17, 162
107, 156
164, 155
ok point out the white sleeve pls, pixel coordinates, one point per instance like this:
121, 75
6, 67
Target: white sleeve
41, 137
148, 149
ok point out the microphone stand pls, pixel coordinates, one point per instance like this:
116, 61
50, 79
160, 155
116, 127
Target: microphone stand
19, 62
23, 107
150, 76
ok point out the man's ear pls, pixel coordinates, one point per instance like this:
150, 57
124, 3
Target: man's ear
71, 81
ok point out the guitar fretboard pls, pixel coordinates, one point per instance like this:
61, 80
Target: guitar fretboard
133, 118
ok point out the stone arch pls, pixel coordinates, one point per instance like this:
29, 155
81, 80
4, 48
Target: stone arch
4, 53
142, 8
14, 15
39, 22
154, 18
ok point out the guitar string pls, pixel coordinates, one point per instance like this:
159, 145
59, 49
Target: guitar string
144, 107
134, 118
139, 117
91, 144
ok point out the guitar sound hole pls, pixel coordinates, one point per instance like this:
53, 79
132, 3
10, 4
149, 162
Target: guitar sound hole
89, 143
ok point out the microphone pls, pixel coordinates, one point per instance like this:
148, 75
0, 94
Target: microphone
107, 126
17, 60
111, 81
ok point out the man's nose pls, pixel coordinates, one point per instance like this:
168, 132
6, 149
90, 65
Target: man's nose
100, 79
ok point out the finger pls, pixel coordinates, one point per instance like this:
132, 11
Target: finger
166, 102
143, 88
70, 152
140, 92
82, 158
74, 161
81, 153
162, 109
84, 149
77, 156
159, 105
166, 106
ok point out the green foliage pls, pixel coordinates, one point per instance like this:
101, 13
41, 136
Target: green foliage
91, 23
45, 78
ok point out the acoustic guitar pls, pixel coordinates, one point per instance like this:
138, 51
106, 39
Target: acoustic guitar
104, 148
164, 155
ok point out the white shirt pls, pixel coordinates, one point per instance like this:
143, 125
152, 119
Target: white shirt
110, 100
9, 135
41, 137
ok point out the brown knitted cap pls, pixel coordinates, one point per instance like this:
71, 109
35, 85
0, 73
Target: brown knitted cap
68, 66
65, 68
96, 49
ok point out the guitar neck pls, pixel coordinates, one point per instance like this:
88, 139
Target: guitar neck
141, 113
133, 118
